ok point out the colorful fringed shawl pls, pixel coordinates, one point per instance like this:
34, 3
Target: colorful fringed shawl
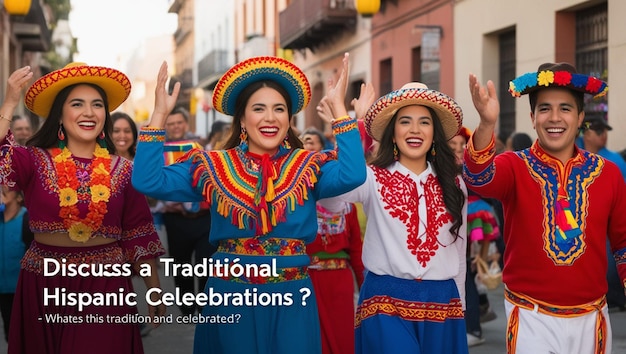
256, 191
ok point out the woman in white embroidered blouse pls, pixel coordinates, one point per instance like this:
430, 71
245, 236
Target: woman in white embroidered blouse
412, 299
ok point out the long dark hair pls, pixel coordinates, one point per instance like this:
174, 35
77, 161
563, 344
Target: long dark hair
115, 116
240, 108
444, 163
47, 136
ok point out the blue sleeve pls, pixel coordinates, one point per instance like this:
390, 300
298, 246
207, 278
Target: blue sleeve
152, 178
348, 171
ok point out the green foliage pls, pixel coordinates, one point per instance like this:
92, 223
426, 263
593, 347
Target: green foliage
60, 8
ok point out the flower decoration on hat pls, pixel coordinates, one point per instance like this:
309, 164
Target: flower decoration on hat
533, 81
255, 69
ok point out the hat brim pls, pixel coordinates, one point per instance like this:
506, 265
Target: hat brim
251, 70
534, 81
380, 113
41, 94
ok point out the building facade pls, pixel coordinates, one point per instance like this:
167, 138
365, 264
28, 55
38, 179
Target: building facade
513, 38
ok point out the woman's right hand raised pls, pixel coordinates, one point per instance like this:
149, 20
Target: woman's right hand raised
164, 102
15, 84
336, 91
366, 99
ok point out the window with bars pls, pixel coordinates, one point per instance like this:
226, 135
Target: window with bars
592, 53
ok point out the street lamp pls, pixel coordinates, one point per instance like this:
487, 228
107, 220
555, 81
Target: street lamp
17, 7
367, 8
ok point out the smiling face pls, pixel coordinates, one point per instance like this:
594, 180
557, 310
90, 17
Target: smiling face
266, 120
413, 135
176, 126
122, 136
83, 116
556, 120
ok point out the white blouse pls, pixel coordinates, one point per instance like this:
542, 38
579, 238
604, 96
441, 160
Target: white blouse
408, 229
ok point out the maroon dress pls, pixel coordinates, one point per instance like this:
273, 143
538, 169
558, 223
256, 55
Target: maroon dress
47, 318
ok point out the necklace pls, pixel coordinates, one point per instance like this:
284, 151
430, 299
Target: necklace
98, 192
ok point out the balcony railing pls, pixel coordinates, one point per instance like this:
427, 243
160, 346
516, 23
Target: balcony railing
310, 23
213, 64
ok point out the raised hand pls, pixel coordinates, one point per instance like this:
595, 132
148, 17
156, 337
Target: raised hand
367, 96
164, 102
15, 84
324, 111
485, 100
336, 91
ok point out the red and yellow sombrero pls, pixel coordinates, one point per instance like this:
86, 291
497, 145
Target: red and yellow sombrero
256, 69
41, 94
414, 93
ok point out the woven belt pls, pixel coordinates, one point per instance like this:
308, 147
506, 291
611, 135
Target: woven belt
531, 304
329, 264
255, 246
284, 274
33, 260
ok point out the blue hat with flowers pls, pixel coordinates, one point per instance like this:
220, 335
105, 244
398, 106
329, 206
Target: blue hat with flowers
557, 75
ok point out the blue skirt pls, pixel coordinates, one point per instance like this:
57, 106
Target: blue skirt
409, 316
269, 325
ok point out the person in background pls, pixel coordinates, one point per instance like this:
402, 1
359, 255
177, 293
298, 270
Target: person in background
15, 237
219, 130
262, 190
518, 141
560, 203
335, 265
124, 135
482, 230
82, 210
187, 225
22, 129
593, 138
413, 295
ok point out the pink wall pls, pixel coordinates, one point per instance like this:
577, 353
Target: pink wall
394, 35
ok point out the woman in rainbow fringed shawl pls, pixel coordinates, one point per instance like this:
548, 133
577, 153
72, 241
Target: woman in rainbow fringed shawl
262, 189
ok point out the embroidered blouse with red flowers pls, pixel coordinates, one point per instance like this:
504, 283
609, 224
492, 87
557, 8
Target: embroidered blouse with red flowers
408, 228
82, 197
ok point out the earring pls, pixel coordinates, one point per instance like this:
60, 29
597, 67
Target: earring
243, 139
101, 136
395, 152
286, 144
61, 133
433, 151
